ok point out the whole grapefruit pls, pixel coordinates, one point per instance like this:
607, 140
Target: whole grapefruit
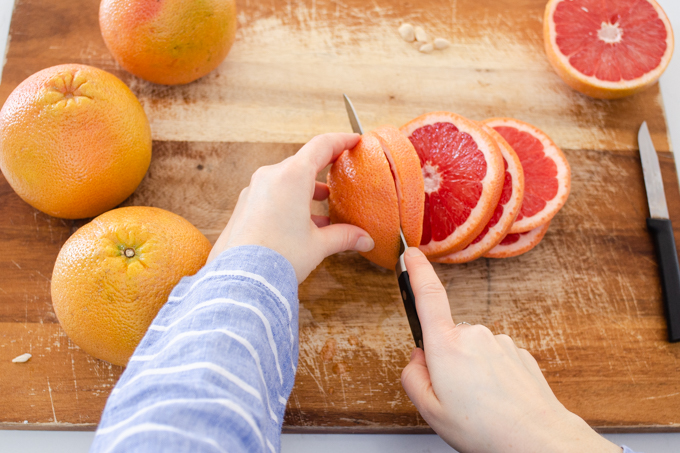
113, 275
169, 42
74, 141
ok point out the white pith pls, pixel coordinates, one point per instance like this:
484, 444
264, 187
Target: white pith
431, 177
527, 241
498, 231
563, 175
464, 234
610, 33
647, 78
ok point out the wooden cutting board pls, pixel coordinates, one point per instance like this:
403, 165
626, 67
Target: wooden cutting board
586, 302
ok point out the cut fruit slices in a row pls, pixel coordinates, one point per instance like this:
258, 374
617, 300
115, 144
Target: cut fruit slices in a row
506, 210
463, 174
547, 175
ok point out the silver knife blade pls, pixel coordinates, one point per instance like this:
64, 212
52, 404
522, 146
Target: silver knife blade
656, 197
356, 127
353, 118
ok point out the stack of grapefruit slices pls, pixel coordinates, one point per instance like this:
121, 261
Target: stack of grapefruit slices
459, 189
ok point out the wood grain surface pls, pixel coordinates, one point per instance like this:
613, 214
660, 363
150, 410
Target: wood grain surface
586, 302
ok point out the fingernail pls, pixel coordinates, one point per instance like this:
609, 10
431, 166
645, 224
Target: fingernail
414, 352
412, 252
364, 244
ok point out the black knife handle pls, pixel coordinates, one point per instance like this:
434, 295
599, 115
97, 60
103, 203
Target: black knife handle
662, 231
410, 307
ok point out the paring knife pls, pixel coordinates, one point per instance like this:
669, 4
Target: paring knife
660, 226
402, 274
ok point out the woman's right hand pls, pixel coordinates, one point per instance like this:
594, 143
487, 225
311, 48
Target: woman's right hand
479, 391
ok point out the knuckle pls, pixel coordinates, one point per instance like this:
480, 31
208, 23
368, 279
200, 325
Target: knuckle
505, 338
431, 288
480, 332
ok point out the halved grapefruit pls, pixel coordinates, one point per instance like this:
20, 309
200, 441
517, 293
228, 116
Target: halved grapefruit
463, 174
547, 176
607, 48
506, 210
363, 192
518, 243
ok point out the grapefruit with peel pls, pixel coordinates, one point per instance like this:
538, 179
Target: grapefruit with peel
171, 41
113, 275
547, 175
506, 210
463, 175
74, 141
607, 49
515, 244
378, 193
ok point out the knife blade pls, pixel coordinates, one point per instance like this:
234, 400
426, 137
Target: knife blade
403, 279
660, 227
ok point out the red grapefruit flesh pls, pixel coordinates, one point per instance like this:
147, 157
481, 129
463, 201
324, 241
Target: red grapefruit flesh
608, 48
547, 176
506, 210
463, 173
518, 243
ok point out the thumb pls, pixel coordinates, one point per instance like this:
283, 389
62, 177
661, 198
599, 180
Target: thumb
341, 237
415, 378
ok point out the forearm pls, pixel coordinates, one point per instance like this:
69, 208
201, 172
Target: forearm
216, 367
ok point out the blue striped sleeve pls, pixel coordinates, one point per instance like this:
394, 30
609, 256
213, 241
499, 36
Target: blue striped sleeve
216, 367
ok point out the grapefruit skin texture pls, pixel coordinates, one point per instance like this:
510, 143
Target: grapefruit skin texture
405, 166
171, 42
363, 193
590, 85
74, 141
106, 301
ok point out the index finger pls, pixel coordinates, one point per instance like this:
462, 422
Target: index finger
432, 302
324, 149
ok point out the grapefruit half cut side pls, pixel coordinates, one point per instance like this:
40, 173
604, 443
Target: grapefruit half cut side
506, 210
547, 176
463, 176
607, 48
516, 244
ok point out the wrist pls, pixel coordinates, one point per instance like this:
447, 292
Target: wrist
574, 435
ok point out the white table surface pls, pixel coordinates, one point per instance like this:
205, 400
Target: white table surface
79, 442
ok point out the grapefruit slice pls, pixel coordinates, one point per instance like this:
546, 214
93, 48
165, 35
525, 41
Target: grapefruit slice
547, 176
463, 175
607, 48
373, 186
506, 210
515, 244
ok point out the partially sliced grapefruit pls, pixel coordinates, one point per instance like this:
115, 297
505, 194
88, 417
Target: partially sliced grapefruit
547, 176
506, 210
463, 174
516, 244
607, 48
363, 186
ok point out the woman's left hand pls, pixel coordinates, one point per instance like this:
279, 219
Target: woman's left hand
274, 211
